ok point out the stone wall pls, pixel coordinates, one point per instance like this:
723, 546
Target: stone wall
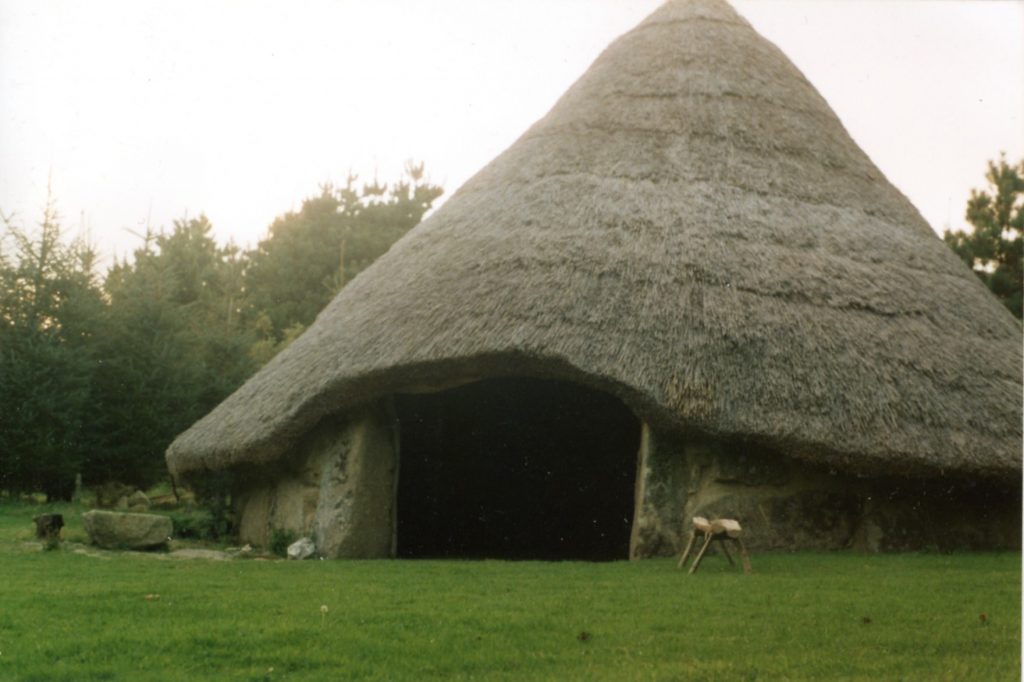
355, 515
784, 504
340, 492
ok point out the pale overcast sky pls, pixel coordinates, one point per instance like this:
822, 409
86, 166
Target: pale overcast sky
147, 111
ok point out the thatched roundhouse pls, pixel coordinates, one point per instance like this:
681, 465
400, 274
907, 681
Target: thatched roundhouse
683, 291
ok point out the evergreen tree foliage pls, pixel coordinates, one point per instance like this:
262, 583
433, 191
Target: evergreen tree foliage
97, 377
172, 348
309, 255
50, 305
994, 249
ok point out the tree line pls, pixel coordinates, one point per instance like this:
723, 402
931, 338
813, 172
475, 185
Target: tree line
98, 373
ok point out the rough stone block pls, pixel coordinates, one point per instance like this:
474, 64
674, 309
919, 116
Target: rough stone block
117, 530
138, 502
356, 510
785, 520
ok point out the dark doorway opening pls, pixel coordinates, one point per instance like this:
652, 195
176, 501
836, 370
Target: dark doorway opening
516, 469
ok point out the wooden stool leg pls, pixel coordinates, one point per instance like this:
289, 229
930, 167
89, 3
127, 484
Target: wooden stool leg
689, 546
747, 568
700, 554
725, 550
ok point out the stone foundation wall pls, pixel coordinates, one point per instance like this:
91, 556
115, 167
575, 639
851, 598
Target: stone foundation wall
784, 504
341, 493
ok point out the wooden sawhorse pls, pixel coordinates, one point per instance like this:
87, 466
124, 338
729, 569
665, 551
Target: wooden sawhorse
722, 530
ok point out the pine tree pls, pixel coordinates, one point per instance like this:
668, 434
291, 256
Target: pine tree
994, 249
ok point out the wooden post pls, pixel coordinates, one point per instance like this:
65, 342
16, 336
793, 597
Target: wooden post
689, 546
701, 526
725, 550
744, 557
700, 554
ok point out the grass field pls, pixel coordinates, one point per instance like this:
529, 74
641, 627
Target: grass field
66, 616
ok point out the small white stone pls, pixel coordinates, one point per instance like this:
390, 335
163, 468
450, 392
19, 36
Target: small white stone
303, 548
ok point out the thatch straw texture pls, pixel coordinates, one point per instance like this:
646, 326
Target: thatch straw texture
692, 229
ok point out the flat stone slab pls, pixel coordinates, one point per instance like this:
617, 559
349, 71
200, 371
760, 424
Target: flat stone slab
120, 530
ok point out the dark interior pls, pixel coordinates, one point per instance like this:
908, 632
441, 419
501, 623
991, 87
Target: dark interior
516, 469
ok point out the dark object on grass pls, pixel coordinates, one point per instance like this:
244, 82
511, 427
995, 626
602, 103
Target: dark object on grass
583, 636
983, 618
865, 620
48, 527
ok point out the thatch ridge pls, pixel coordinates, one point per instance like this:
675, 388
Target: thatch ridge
692, 229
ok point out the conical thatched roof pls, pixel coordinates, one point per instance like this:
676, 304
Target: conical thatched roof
692, 229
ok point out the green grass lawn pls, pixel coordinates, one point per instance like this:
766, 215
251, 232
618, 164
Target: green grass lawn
66, 616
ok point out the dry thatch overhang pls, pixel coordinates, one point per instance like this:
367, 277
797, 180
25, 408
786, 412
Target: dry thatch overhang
691, 229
